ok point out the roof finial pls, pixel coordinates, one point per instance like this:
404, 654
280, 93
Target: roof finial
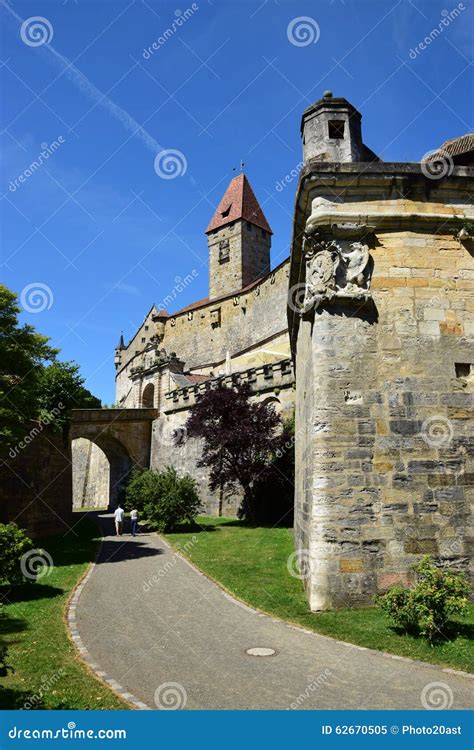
242, 165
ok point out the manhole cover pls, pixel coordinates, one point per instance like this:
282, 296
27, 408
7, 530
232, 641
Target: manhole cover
259, 651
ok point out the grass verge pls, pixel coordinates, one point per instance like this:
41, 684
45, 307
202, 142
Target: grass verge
48, 672
252, 564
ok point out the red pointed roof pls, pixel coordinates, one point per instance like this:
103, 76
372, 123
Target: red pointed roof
239, 202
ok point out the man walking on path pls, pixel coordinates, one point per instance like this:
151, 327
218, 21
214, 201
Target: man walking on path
134, 521
118, 517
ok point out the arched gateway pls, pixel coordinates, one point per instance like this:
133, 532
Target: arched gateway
124, 435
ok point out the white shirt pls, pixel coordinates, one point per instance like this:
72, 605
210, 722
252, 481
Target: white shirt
118, 515
134, 515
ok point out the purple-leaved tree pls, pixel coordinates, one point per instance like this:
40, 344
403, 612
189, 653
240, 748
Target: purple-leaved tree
239, 437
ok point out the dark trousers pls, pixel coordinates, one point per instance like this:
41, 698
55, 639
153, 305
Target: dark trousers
134, 526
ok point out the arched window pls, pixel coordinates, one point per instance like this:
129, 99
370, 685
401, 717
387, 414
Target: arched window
148, 396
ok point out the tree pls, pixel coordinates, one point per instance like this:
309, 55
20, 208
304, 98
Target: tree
30, 389
239, 437
22, 354
62, 389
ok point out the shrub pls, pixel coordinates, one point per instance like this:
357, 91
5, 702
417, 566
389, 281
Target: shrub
164, 499
426, 607
5, 667
14, 543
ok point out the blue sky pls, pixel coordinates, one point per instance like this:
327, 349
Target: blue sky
96, 226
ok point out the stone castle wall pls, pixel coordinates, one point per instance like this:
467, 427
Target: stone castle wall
202, 337
90, 475
171, 447
385, 390
35, 484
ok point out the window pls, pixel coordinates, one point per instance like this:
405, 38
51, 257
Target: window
146, 328
226, 211
463, 369
264, 234
216, 318
143, 340
248, 225
336, 128
224, 250
148, 396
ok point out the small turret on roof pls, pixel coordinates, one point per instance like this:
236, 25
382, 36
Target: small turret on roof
121, 343
239, 202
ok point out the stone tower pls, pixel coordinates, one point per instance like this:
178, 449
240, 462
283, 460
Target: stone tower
239, 239
331, 131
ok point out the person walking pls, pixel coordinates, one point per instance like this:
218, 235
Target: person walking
134, 521
118, 517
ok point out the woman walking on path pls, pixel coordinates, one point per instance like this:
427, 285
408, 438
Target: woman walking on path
134, 521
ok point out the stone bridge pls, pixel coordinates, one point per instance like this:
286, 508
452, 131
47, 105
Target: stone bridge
124, 435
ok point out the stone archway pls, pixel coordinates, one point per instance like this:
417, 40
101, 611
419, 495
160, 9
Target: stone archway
100, 467
124, 436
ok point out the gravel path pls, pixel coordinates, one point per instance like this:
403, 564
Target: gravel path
148, 619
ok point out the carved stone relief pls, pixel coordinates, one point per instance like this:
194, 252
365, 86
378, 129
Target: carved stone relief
339, 269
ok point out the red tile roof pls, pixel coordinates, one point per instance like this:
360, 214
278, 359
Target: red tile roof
239, 202
460, 145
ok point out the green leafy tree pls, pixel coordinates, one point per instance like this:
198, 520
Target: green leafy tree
30, 388
62, 389
163, 499
23, 352
426, 608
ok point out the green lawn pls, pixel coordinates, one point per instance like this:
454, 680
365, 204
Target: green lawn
45, 661
251, 563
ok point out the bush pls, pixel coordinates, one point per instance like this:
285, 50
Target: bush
164, 499
425, 609
5, 667
14, 543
